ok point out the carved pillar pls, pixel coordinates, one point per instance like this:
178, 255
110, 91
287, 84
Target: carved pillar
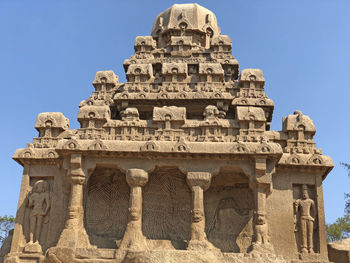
18, 239
261, 185
133, 236
74, 233
198, 182
321, 219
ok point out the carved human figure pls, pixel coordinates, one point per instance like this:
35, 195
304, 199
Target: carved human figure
261, 229
306, 206
39, 203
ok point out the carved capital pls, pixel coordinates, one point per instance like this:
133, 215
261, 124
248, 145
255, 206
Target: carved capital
201, 179
260, 166
77, 179
136, 177
77, 175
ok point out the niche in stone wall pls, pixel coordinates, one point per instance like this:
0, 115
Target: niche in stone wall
106, 206
229, 208
38, 209
298, 197
166, 209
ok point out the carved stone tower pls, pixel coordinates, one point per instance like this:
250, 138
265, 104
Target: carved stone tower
178, 164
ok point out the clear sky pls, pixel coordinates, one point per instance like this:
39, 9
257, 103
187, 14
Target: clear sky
50, 51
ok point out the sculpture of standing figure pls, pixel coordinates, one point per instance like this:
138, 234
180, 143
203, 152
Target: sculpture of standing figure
306, 206
39, 203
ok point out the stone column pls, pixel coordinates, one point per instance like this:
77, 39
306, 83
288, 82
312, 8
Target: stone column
19, 239
74, 233
321, 224
133, 237
198, 182
261, 185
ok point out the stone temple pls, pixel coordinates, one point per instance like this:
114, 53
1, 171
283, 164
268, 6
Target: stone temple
178, 164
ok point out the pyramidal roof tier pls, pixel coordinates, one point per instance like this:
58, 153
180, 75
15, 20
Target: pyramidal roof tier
183, 84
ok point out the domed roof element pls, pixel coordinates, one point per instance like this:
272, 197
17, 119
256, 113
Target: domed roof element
186, 16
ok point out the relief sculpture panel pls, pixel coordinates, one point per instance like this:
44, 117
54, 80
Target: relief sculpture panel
229, 206
106, 207
304, 218
38, 205
167, 208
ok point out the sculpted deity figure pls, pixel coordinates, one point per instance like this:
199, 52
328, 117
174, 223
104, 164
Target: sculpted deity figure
306, 206
39, 203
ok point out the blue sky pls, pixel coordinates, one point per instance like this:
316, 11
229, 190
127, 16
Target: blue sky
50, 51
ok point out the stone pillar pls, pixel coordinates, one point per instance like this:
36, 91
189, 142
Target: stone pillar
198, 182
321, 223
133, 237
19, 239
261, 185
74, 234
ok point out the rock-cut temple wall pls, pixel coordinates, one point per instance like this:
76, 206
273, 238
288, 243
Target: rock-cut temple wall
178, 164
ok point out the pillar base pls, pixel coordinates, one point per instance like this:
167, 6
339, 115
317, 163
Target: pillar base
133, 238
31, 247
24, 257
60, 254
266, 248
73, 238
11, 259
201, 245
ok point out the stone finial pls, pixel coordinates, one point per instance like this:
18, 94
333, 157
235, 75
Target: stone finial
181, 17
298, 122
105, 80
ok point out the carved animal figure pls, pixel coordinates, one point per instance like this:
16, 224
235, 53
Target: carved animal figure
261, 230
